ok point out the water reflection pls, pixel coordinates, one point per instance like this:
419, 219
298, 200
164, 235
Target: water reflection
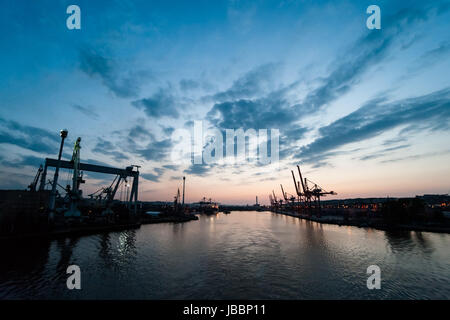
423, 242
117, 250
65, 247
22, 264
243, 255
127, 243
399, 241
104, 253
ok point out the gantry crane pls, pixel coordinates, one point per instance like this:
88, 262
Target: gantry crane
278, 203
271, 200
286, 198
300, 196
314, 194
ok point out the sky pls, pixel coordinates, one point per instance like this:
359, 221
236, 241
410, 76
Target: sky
364, 112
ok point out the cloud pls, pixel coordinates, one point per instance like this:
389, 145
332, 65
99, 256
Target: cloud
198, 169
32, 161
269, 112
366, 52
156, 150
150, 177
122, 85
395, 140
154, 176
29, 137
417, 156
161, 104
188, 84
383, 152
139, 132
255, 114
171, 167
256, 81
90, 112
252, 103
139, 141
18, 181
430, 58
377, 116
105, 147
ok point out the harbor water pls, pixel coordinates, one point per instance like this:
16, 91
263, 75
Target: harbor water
242, 255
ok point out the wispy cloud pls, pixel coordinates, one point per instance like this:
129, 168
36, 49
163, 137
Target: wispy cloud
94, 64
161, 104
28, 137
383, 152
377, 116
199, 169
430, 58
417, 156
154, 176
253, 83
23, 161
90, 112
251, 102
105, 147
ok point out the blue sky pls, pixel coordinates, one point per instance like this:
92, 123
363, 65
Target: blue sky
365, 112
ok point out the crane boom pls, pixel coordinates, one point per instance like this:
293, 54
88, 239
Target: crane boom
295, 183
301, 179
284, 194
33, 184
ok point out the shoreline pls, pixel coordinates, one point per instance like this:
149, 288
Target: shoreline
368, 224
92, 229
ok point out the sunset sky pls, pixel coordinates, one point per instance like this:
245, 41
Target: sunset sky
364, 112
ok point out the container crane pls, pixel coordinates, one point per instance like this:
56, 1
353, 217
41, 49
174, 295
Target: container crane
271, 199
276, 201
315, 193
286, 198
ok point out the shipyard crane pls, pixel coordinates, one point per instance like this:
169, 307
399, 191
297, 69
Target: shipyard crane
77, 179
35, 181
109, 191
74, 193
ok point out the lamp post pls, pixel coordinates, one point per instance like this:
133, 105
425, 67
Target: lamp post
63, 135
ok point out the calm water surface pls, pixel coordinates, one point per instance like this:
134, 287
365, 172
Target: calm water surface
244, 255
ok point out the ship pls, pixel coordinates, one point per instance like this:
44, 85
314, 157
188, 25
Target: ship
206, 206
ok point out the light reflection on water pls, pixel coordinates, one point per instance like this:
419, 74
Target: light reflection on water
244, 255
